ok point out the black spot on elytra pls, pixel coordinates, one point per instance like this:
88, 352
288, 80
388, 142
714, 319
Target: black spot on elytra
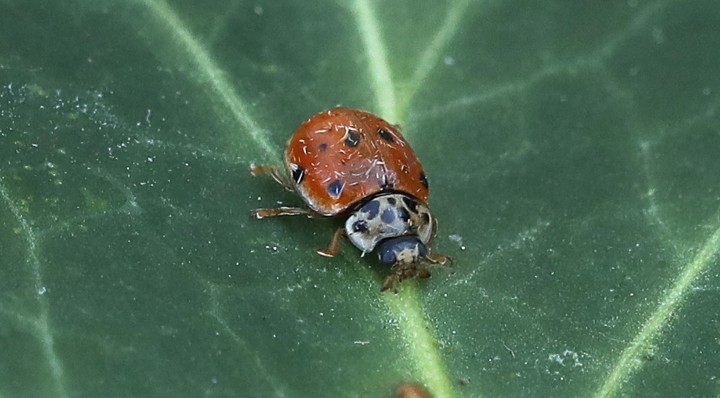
360, 226
335, 188
403, 214
392, 201
410, 203
371, 209
385, 135
298, 173
353, 139
423, 180
322, 147
387, 216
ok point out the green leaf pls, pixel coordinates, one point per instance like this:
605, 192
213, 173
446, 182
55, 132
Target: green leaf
571, 148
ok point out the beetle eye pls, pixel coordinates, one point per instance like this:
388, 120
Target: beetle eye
386, 254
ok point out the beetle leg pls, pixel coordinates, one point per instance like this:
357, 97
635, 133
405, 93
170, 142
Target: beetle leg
422, 273
439, 259
282, 211
332, 250
273, 171
282, 180
390, 283
436, 258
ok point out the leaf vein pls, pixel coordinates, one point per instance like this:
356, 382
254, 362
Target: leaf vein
629, 360
213, 74
41, 324
382, 82
431, 56
422, 346
595, 59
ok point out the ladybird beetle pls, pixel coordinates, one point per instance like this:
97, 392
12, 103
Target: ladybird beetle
351, 163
